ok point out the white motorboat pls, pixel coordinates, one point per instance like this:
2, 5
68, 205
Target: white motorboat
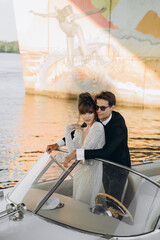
41, 205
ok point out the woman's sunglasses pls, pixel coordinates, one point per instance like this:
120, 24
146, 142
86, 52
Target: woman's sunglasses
103, 108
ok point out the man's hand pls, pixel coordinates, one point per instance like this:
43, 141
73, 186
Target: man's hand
52, 147
68, 158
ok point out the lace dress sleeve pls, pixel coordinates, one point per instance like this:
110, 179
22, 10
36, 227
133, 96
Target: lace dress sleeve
69, 141
95, 138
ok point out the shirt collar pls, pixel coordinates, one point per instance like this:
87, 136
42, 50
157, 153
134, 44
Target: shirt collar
107, 121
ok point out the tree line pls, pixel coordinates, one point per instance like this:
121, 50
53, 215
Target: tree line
9, 47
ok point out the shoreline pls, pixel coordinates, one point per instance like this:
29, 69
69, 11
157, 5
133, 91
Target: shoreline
70, 96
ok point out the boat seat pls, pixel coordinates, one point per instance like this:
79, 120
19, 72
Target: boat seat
137, 190
150, 169
130, 189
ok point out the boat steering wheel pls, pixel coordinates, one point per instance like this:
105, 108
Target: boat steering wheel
123, 211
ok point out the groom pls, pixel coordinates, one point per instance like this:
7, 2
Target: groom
115, 148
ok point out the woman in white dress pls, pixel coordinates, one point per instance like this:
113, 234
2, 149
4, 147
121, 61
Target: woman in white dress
88, 174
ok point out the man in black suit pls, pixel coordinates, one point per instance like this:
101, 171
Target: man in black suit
115, 148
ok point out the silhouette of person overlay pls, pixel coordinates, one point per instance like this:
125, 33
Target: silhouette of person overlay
66, 19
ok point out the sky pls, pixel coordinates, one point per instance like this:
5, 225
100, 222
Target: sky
8, 30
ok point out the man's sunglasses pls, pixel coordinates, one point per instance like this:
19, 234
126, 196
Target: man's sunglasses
103, 108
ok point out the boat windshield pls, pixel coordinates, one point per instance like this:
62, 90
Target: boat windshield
129, 206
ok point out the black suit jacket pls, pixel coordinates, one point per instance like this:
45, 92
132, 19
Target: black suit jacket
116, 146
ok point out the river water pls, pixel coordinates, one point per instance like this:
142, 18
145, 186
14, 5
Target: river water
28, 123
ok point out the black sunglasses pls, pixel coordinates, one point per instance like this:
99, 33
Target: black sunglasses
103, 108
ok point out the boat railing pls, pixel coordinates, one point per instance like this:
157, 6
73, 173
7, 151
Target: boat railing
149, 160
60, 165
53, 159
146, 161
152, 159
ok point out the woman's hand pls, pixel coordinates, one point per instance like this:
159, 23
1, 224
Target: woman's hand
68, 158
76, 126
31, 11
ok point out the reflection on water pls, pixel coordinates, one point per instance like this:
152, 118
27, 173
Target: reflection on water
29, 123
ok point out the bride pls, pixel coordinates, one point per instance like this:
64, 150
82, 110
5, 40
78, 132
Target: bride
88, 174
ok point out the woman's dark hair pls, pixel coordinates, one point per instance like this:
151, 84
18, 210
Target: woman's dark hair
86, 104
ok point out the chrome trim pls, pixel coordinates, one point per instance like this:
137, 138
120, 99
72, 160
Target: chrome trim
15, 212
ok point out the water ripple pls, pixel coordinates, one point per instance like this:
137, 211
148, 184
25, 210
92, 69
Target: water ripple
29, 123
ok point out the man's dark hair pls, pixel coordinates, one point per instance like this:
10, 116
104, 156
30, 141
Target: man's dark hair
108, 96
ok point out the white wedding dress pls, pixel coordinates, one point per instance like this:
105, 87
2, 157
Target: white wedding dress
87, 179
